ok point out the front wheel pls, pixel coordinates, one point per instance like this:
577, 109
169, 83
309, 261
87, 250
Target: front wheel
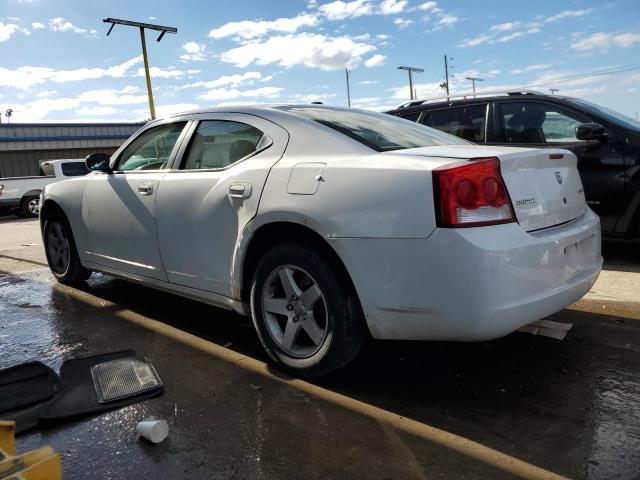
60, 249
305, 313
30, 207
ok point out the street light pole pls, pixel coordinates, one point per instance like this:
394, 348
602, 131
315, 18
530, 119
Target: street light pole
411, 70
162, 29
346, 71
473, 83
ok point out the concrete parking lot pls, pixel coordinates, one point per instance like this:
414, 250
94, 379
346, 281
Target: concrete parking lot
520, 407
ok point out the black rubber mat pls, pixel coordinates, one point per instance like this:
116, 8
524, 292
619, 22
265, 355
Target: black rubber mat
77, 395
26, 385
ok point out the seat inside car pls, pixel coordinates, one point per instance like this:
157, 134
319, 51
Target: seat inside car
525, 125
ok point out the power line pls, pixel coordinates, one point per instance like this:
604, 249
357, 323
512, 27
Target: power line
595, 73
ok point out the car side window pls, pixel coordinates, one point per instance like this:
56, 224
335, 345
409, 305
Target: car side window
74, 169
529, 122
413, 116
468, 121
152, 149
220, 143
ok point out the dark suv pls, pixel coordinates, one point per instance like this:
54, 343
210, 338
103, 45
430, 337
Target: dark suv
606, 143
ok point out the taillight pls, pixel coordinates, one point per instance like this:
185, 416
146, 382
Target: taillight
471, 194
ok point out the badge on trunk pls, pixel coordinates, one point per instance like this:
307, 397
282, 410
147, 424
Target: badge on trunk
559, 178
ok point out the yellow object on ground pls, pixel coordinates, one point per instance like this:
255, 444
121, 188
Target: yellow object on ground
40, 464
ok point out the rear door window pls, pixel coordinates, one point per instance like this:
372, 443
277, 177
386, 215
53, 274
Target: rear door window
220, 143
413, 116
468, 121
538, 123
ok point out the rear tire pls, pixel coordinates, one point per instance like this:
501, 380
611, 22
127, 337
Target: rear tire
305, 313
61, 252
30, 206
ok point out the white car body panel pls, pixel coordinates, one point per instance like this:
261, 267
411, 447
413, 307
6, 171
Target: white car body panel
414, 280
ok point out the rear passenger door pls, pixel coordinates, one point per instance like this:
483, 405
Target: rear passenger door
464, 121
211, 193
601, 164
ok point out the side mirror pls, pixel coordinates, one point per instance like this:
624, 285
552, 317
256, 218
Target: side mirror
591, 131
98, 162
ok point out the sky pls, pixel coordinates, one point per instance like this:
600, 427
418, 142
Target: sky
57, 64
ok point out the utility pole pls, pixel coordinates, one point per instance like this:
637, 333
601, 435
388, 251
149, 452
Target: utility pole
346, 71
411, 70
162, 29
553, 90
446, 75
473, 83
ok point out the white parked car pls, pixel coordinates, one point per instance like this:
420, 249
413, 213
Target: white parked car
327, 225
23, 193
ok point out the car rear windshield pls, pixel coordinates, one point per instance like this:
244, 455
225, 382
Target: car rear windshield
378, 131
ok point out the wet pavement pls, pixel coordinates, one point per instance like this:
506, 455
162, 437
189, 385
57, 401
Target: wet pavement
521, 406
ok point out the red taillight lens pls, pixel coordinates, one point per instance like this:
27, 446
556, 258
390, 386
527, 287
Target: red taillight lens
471, 194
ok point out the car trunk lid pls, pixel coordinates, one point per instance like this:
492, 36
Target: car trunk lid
544, 184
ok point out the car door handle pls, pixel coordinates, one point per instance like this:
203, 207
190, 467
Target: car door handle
145, 188
240, 190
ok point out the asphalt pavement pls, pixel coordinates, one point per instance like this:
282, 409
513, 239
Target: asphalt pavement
520, 407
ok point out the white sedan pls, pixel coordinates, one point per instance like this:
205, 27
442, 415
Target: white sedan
329, 225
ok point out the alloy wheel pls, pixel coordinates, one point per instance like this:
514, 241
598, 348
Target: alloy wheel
58, 248
295, 311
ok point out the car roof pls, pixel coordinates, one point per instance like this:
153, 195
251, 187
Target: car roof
420, 105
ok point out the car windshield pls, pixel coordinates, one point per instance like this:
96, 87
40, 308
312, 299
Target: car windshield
611, 115
378, 131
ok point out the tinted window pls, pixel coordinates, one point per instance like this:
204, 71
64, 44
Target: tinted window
413, 116
151, 150
219, 143
467, 122
522, 122
378, 131
74, 169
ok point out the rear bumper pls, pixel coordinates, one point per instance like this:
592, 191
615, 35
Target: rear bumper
471, 284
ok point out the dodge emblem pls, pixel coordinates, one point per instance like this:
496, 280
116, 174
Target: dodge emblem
559, 177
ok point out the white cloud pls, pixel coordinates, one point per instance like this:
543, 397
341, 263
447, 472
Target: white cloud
505, 27
96, 111
194, 52
568, 14
369, 82
392, 7
324, 97
376, 61
38, 25
603, 40
519, 34
59, 24
496, 36
27, 76
308, 49
111, 96
171, 72
235, 80
427, 6
228, 94
7, 30
530, 68
448, 20
250, 29
472, 42
402, 23
46, 93
340, 10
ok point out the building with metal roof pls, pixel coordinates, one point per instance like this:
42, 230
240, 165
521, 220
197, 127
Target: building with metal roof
23, 146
